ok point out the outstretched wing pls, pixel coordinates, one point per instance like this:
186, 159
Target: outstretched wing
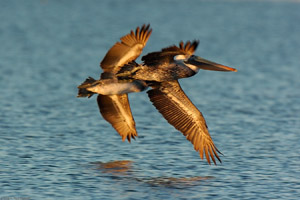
166, 55
127, 50
116, 110
170, 100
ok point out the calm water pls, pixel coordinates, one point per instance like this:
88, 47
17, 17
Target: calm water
55, 146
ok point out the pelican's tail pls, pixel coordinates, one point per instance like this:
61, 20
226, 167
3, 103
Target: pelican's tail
82, 88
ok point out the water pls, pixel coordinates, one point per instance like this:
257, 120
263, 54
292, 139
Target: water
55, 146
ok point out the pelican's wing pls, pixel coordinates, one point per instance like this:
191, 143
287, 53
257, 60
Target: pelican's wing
170, 100
127, 50
166, 55
116, 110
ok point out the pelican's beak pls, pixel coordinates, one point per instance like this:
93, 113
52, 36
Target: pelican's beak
201, 63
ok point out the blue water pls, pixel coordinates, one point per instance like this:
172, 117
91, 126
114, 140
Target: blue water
56, 146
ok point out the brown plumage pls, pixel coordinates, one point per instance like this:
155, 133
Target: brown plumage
170, 100
166, 55
115, 109
127, 50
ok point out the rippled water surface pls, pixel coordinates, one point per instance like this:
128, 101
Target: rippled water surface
56, 146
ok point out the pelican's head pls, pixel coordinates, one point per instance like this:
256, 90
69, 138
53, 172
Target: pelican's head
196, 63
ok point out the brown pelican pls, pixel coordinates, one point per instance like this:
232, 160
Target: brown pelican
160, 70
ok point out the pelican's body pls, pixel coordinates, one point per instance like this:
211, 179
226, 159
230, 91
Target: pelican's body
161, 71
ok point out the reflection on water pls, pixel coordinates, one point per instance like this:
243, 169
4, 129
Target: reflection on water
117, 167
173, 182
120, 168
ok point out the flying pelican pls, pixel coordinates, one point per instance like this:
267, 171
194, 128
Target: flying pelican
161, 71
